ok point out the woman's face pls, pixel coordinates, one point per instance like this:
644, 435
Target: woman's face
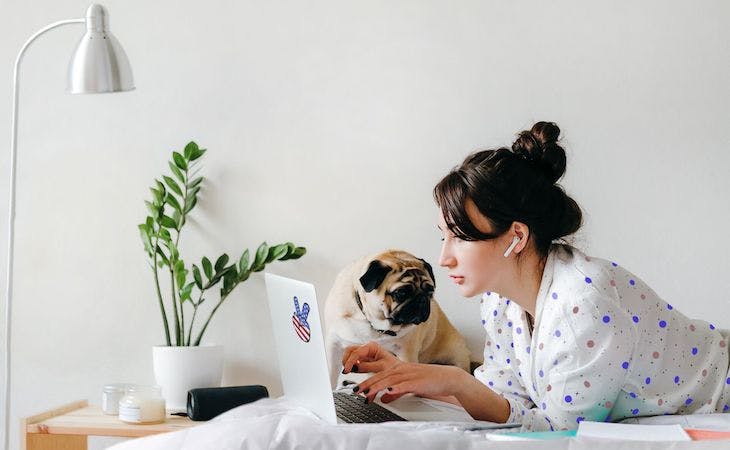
475, 266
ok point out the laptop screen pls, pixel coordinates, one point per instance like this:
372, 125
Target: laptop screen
299, 342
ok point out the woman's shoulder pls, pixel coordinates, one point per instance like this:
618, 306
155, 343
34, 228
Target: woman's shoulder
572, 266
578, 277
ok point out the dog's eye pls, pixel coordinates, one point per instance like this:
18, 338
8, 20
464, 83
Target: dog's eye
401, 294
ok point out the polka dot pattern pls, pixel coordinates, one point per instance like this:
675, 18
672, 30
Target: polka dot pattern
628, 352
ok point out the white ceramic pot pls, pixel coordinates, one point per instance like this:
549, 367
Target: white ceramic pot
179, 369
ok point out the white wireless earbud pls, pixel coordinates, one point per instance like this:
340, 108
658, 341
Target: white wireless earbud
515, 241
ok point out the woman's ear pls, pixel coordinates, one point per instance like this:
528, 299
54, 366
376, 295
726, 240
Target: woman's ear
522, 231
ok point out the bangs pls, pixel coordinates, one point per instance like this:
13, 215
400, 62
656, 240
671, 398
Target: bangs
451, 195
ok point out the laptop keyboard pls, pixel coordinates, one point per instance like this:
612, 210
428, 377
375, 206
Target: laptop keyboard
353, 409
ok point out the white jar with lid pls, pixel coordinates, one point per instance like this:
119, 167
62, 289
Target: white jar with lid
110, 396
142, 404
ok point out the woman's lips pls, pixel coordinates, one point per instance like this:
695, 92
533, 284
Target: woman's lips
457, 279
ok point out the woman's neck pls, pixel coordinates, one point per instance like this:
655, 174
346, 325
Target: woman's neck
523, 285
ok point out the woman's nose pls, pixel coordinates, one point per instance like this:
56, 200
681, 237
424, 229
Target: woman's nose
445, 258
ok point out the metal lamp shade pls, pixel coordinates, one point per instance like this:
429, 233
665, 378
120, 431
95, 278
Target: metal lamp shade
99, 63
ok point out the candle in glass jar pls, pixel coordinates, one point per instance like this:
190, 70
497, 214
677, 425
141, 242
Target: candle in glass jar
142, 404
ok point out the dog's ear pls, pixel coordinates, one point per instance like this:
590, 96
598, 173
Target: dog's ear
374, 276
429, 269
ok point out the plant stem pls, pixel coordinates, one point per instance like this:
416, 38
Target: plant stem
192, 320
174, 308
181, 324
202, 330
159, 295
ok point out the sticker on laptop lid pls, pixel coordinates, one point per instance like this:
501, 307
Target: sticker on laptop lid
299, 320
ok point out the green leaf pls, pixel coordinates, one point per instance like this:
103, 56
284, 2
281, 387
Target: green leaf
186, 291
276, 252
165, 235
153, 209
144, 232
174, 253
172, 185
243, 262
195, 182
180, 273
156, 196
179, 161
298, 253
168, 222
163, 257
290, 247
176, 172
221, 262
192, 194
190, 149
191, 204
207, 268
196, 276
172, 201
244, 276
230, 280
197, 153
260, 261
161, 188
177, 217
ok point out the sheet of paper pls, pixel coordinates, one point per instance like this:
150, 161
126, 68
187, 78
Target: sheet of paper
715, 421
629, 432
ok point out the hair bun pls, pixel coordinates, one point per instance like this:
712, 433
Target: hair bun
539, 145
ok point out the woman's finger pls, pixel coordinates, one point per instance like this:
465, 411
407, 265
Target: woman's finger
381, 383
371, 366
365, 386
387, 397
394, 392
367, 352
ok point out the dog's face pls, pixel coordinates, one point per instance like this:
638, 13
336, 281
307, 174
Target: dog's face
398, 289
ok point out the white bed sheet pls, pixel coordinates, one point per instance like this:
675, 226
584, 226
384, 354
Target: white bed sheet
281, 424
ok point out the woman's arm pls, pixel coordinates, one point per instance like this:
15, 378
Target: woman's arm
396, 378
481, 402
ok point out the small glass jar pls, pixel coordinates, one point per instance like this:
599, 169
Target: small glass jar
142, 404
110, 396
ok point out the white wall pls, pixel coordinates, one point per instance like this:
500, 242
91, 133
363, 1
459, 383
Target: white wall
327, 124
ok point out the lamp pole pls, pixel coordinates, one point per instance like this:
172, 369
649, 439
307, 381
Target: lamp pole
97, 66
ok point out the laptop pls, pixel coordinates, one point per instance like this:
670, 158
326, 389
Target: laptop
305, 377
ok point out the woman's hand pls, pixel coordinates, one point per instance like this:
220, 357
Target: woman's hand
424, 380
397, 378
370, 357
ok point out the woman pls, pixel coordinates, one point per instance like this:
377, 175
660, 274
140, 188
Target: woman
569, 337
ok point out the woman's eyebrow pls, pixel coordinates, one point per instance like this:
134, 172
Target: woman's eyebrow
439, 228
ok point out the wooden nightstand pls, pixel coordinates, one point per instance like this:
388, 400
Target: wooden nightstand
67, 427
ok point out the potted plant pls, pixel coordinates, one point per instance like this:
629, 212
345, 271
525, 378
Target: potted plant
183, 363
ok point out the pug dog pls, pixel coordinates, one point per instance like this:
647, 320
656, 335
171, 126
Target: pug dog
388, 298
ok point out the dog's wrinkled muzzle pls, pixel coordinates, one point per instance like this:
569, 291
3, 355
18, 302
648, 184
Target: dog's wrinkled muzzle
413, 311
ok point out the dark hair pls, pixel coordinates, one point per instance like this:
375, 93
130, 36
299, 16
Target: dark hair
513, 185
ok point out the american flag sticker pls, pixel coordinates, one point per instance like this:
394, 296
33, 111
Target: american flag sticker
299, 320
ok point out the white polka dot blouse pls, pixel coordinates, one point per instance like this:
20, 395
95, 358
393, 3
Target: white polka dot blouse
605, 347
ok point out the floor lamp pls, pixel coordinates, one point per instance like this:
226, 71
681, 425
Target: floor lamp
98, 65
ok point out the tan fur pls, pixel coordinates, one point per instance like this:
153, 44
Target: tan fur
433, 341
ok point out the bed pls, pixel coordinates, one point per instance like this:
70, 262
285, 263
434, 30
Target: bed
282, 424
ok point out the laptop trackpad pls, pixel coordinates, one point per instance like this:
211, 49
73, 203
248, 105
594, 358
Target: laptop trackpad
414, 408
